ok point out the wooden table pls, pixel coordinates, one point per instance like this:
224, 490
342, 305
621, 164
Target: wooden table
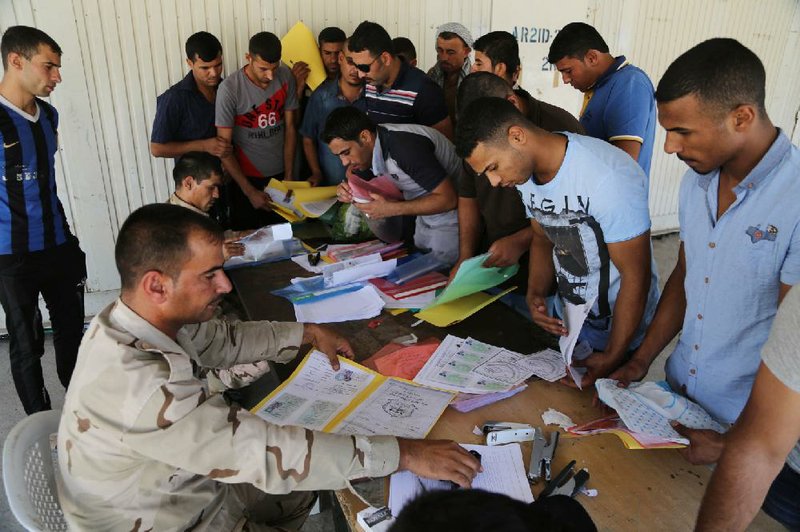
637, 489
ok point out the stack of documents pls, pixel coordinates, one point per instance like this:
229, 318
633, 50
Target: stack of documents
381, 185
360, 304
463, 296
353, 400
469, 366
503, 472
298, 200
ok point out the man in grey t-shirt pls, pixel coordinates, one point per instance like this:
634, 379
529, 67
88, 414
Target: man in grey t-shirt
767, 430
255, 110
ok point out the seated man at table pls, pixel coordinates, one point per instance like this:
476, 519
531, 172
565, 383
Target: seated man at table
144, 447
419, 160
492, 218
591, 225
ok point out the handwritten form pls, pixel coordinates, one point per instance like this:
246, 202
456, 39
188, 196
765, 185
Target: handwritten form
503, 472
315, 395
648, 407
396, 408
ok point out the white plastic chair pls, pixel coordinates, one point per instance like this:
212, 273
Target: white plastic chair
29, 470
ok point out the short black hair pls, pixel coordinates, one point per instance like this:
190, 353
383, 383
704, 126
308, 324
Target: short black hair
346, 123
25, 41
331, 34
198, 164
575, 40
265, 45
477, 510
204, 46
481, 84
486, 120
156, 237
404, 48
500, 47
720, 72
372, 37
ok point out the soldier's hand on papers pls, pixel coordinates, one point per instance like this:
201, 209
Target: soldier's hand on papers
438, 459
538, 308
378, 208
505, 252
705, 446
218, 147
329, 342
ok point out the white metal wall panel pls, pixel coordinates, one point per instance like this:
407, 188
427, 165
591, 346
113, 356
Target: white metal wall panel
120, 54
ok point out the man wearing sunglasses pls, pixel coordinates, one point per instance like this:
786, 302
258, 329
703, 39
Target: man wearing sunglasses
396, 92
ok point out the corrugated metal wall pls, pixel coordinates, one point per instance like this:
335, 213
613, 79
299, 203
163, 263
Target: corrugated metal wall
120, 54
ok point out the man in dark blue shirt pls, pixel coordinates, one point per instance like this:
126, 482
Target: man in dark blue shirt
184, 119
346, 89
38, 253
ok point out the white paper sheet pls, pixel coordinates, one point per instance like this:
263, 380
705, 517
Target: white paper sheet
574, 317
547, 364
359, 305
360, 272
318, 208
648, 407
503, 472
316, 395
396, 408
418, 301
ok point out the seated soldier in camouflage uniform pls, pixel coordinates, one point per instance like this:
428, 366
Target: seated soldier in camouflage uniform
142, 445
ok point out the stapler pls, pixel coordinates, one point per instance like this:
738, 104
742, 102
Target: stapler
566, 483
500, 432
542, 455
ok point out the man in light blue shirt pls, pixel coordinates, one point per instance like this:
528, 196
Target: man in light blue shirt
618, 103
740, 234
591, 226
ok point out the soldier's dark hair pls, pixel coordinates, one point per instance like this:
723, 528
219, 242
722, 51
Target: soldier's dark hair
404, 48
574, 40
486, 120
204, 46
481, 84
331, 34
346, 123
265, 45
722, 73
156, 237
372, 37
25, 41
500, 47
198, 164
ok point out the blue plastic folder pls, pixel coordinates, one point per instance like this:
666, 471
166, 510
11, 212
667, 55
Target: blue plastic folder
464, 296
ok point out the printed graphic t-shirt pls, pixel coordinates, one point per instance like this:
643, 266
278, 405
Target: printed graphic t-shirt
257, 118
598, 197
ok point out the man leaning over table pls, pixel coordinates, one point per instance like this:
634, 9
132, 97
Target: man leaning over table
143, 446
422, 164
740, 241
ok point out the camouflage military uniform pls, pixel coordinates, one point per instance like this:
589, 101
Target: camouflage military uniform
142, 446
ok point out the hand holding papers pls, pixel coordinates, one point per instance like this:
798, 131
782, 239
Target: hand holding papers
299, 44
463, 296
353, 400
383, 185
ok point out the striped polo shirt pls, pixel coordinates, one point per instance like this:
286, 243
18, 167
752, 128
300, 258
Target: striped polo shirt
31, 215
413, 98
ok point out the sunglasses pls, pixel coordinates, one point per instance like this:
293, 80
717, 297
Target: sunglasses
363, 67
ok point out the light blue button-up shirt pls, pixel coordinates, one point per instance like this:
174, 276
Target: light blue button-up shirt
734, 267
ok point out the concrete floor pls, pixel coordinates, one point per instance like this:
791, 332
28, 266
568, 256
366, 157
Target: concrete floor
665, 250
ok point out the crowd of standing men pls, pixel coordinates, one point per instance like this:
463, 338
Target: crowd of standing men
481, 166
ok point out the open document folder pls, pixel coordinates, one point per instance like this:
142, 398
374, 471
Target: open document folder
298, 200
353, 400
299, 44
464, 295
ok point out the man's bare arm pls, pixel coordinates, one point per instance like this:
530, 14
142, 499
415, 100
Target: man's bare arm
289, 144
631, 147
310, 150
258, 198
445, 127
216, 146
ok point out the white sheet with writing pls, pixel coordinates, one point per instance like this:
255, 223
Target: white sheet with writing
503, 472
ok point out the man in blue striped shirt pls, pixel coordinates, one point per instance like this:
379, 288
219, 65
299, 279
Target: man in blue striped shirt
38, 253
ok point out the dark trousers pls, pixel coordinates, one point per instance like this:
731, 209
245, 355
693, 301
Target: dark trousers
783, 498
242, 214
59, 275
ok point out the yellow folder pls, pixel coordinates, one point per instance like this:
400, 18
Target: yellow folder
304, 202
299, 44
